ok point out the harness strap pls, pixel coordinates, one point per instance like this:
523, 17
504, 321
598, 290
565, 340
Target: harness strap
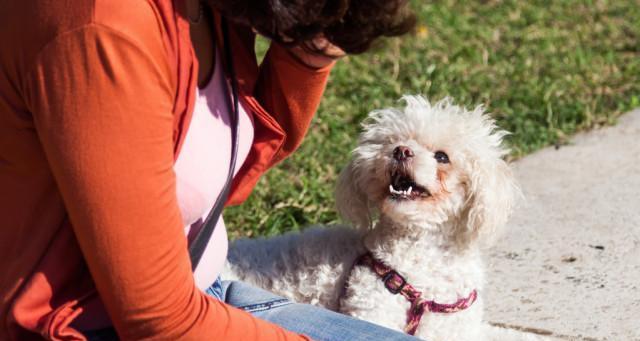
200, 241
397, 284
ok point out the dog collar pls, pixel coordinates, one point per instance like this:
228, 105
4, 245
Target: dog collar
397, 284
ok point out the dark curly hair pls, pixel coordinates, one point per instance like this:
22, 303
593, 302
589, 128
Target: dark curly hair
352, 25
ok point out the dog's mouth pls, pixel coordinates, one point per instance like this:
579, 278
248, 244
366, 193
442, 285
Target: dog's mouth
404, 187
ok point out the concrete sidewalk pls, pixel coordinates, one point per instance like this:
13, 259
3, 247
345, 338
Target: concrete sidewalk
569, 263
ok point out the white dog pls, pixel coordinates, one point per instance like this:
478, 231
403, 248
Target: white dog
426, 187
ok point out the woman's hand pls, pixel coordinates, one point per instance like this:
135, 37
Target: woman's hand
327, 53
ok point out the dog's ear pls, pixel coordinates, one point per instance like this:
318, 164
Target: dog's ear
351, 201
491, 194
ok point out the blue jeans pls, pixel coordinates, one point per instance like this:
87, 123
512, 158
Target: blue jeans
317, 323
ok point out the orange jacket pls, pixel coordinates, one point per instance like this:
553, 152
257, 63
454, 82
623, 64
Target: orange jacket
95, 98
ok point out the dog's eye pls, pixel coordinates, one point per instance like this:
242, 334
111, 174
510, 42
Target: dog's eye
441, 157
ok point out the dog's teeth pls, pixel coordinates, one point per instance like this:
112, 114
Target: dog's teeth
409, 190
395, 191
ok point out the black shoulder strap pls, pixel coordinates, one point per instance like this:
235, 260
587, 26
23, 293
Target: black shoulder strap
199, 243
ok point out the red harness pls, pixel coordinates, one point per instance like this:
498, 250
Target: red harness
396, 284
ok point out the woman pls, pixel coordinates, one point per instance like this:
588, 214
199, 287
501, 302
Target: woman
115, 141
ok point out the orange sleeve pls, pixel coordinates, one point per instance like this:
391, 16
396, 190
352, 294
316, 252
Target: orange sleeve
291, 92
102, 104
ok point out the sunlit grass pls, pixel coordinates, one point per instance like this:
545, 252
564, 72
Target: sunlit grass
544, 69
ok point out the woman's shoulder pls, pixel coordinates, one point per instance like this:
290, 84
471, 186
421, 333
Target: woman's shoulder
32, 25
142, 21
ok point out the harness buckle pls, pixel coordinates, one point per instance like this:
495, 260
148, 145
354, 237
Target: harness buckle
390, 284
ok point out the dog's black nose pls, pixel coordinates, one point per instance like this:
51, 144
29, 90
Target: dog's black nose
402, 153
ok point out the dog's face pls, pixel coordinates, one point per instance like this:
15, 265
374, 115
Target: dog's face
428, 165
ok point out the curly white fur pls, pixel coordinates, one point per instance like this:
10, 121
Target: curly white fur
434, 241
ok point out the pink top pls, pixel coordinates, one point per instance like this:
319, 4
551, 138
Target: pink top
202, 168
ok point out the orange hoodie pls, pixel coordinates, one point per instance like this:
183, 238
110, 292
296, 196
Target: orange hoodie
95, 98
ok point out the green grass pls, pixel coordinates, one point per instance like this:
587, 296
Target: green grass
544, 69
